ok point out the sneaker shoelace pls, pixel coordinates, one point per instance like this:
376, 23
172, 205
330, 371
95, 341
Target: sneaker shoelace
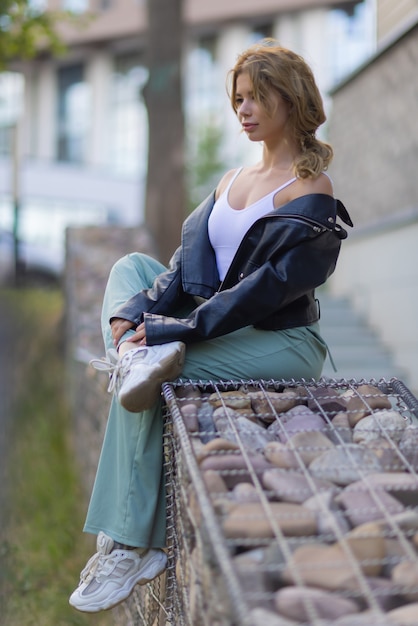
98, 564
91, 567
118, 368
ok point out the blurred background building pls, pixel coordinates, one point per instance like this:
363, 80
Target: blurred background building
82, 138
82, 124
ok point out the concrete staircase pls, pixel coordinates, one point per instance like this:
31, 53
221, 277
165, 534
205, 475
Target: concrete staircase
356, 348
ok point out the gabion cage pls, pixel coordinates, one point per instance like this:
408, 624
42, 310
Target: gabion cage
290, 503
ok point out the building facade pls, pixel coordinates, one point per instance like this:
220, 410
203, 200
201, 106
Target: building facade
374, 132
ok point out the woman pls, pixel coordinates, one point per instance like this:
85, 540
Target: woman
239, 294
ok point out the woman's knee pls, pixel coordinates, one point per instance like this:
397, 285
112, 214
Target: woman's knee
136, 268
132, 260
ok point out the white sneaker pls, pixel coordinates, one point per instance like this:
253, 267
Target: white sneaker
138, 375
110, 577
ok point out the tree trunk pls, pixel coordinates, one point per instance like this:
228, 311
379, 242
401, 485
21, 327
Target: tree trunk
165, 199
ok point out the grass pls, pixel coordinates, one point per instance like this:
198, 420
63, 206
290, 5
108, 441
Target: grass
42, 546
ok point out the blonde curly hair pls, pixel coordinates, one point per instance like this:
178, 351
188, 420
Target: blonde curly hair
272, 67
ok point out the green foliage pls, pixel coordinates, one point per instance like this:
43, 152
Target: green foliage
24, 30
42, 548
205, 164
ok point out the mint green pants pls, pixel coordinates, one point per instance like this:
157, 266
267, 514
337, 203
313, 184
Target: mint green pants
128, 497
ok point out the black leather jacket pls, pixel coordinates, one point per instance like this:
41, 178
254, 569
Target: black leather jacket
270, 283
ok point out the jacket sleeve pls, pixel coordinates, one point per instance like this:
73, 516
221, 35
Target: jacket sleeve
259, 293
161, 298
171, 289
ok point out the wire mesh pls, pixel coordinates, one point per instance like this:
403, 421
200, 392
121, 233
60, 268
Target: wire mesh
154, 604
294, 502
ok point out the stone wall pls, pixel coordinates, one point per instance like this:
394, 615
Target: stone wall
91, 253
374, 133
391, 14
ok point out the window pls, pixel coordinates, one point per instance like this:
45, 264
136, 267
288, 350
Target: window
38, 6
203, 95
262, 31
11, 98
76, 6
129, 124
73, 114
352, 39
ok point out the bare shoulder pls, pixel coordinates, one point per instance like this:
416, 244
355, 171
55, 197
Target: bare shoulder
223, 183
321, 184
303, 187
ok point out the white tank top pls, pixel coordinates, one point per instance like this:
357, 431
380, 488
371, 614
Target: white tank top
227, 226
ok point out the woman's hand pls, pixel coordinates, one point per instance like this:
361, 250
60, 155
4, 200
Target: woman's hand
119, 327
139, 336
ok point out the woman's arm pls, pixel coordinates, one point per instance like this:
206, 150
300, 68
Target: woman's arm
167, 293
262, 293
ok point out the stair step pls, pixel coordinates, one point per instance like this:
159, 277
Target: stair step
337, 316
362, 373
355, 347
349, 336
357, 354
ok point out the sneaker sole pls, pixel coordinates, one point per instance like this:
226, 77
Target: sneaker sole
154, 568
144, 395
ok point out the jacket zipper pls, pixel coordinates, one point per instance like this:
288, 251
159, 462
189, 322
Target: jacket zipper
306, 220
299, 218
